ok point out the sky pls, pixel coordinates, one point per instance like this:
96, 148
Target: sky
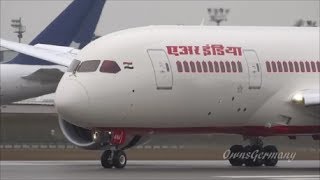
123, 14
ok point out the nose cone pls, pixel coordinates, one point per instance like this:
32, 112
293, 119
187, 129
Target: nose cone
71, 100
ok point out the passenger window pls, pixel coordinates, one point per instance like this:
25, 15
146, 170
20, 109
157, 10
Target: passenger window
73, 66
285, 66
239, 66
216, 66
179, 66
186, 66
308, 66
274, 67
318, 66
210, 66
205, 67
228, 66
313, 66
199, 68
193, 67
234, 67
296, 66
268, 66
279, 66
302, 66
291, 66
222, 66
109, 67
89, 66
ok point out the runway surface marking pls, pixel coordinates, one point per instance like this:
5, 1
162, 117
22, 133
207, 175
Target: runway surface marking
271, 176
156, 170
172, 178
113, 178
298, 178
296, 163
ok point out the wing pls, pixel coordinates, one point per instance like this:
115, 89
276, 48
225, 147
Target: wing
45, 75
56, 54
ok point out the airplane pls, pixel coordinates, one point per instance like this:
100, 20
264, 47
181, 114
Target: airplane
127, 86
25, 76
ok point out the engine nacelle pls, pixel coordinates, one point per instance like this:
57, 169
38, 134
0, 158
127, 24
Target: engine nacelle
78, 136
85, 138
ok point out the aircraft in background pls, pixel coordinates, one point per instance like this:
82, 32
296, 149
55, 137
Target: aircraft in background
25, 76
129, 85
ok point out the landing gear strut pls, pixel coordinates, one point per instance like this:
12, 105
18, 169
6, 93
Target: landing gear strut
254, 154
114, 158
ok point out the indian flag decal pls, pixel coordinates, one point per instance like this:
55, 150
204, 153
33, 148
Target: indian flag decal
128, 65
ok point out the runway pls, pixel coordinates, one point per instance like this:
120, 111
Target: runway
155, 170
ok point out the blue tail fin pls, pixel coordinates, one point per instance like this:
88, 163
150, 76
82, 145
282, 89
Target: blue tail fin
76, 23
86, 32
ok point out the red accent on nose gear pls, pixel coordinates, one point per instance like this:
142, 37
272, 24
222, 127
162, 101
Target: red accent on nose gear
118, 137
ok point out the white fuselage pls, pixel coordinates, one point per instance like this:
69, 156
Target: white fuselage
155, 95
18, 81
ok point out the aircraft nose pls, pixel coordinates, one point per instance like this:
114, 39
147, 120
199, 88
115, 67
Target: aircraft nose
71, 100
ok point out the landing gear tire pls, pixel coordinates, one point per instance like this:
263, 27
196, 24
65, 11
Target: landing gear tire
248, 161
253, 155
259, 152
119, 159
106, 159
236, 161
255, 158
270, 161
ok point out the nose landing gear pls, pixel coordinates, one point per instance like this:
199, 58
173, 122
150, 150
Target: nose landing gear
253, 155
114, 158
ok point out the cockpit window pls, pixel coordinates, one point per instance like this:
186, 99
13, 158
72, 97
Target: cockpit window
89, 66
73, 66
110, 67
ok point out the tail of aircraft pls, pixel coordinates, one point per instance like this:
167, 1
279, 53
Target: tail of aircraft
75, 25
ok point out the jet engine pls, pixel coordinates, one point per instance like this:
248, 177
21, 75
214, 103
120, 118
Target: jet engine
85, 138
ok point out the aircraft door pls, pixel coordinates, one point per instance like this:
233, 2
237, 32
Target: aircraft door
254, 69
162, 68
